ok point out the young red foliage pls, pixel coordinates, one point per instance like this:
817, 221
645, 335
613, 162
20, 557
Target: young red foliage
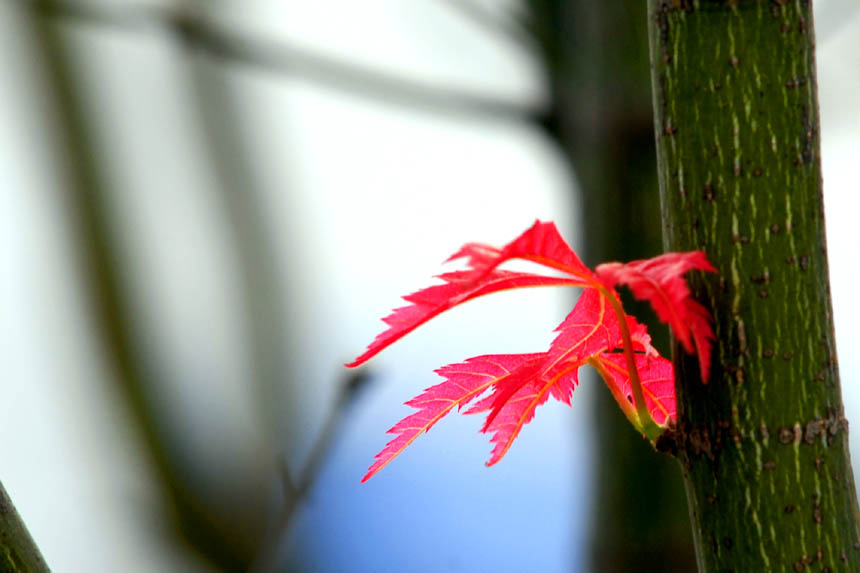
463, 383
591, 327
596, 332
660, 281
541, 243
658, 382
459, 287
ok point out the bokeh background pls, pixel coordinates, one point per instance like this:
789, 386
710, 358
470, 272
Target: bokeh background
206, 208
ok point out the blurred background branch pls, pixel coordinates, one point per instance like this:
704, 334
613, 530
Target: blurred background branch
284, 58
296, 490
225, 529
504, 26
241, 201
213, 536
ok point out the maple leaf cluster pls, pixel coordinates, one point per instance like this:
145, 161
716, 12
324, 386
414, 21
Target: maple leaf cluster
597, 332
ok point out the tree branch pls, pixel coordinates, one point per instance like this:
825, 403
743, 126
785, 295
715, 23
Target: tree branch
18, 551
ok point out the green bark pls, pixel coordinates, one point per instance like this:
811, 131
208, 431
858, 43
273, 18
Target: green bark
764, 445
18, 551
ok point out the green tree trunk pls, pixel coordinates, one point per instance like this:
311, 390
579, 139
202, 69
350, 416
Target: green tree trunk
596, 60
18, 551
764, 445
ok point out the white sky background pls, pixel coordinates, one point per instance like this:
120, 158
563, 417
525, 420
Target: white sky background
380, 195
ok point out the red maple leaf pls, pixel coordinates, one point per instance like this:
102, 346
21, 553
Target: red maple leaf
597, 332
